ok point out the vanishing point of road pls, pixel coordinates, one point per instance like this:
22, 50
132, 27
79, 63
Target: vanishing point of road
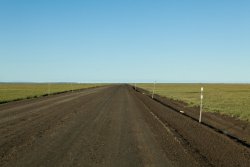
109, 126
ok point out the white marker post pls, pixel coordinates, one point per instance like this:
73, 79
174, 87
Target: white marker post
135, 86
153, 91
48, 88
201, 104
71, 87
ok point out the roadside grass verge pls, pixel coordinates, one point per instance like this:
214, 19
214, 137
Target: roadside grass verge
18, 91
229, 99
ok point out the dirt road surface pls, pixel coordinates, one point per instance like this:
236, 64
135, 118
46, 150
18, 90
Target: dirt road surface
109, 126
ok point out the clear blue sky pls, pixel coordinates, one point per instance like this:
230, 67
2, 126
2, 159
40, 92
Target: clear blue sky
125, 40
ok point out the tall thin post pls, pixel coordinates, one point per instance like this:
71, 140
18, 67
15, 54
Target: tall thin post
153, 91
48, 88
71, 87
135, 86
201, 105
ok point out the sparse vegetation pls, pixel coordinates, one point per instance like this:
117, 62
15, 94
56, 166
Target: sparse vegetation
230, 99
18, 91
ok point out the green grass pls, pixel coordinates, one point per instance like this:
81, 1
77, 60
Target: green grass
230, 99
17, 91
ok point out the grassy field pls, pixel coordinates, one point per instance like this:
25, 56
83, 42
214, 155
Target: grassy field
230, 99
16, 91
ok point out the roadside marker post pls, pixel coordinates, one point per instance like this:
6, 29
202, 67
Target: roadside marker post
48, 88
153, 91
135, 86
201, 105
71, 87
